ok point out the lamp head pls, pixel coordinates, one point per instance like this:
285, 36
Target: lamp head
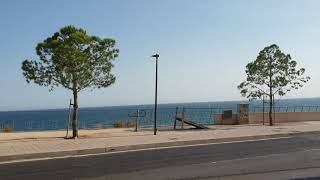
155, 55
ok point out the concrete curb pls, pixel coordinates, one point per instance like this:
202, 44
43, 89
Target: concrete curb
142, 146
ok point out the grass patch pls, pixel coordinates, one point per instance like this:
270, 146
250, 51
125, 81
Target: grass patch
7, 128
123, 124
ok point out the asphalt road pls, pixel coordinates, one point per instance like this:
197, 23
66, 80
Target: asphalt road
287, 158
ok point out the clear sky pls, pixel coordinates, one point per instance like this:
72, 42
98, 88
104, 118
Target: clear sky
204, 46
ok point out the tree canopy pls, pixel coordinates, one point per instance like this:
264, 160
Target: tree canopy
273, 72
73, 59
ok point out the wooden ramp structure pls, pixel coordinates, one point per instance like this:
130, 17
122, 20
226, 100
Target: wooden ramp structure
191, 123
183, 121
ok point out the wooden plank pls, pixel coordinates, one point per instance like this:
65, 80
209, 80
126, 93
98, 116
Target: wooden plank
191, 123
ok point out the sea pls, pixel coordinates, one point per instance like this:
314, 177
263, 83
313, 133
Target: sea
143, 115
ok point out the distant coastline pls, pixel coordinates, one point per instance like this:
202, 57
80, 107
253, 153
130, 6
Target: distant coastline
308, 99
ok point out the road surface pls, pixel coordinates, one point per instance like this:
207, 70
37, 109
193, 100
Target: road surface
285, 158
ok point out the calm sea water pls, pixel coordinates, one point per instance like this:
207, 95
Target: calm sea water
104, 117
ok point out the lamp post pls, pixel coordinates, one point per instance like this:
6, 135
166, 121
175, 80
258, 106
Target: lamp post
156, 96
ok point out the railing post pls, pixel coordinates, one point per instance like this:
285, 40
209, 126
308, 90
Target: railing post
137, 121
175, 119
182, 120
263, 111
69, 117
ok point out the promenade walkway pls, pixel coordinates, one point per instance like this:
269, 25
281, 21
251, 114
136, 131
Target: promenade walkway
26, 145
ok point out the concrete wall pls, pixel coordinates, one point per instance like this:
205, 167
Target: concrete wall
218, 119
279, 117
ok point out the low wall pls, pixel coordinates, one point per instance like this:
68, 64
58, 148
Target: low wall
218, 120
280, 117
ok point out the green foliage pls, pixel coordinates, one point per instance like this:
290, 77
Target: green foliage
72, 59
273, 72
7, 128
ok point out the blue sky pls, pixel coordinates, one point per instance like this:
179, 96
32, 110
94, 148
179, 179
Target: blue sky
203, 46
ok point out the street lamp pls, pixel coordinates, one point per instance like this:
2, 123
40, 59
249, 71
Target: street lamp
156, 96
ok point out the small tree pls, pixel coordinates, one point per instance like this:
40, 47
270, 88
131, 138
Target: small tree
273, 72
74, 60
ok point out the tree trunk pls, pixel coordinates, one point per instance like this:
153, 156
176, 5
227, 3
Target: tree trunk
270, 94
270, 111
75, 115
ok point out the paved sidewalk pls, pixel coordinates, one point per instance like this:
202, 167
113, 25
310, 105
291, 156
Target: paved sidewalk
27, 145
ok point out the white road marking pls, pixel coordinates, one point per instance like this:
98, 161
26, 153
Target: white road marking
136, 150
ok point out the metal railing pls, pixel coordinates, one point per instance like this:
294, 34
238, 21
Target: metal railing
287, 109
105, 118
